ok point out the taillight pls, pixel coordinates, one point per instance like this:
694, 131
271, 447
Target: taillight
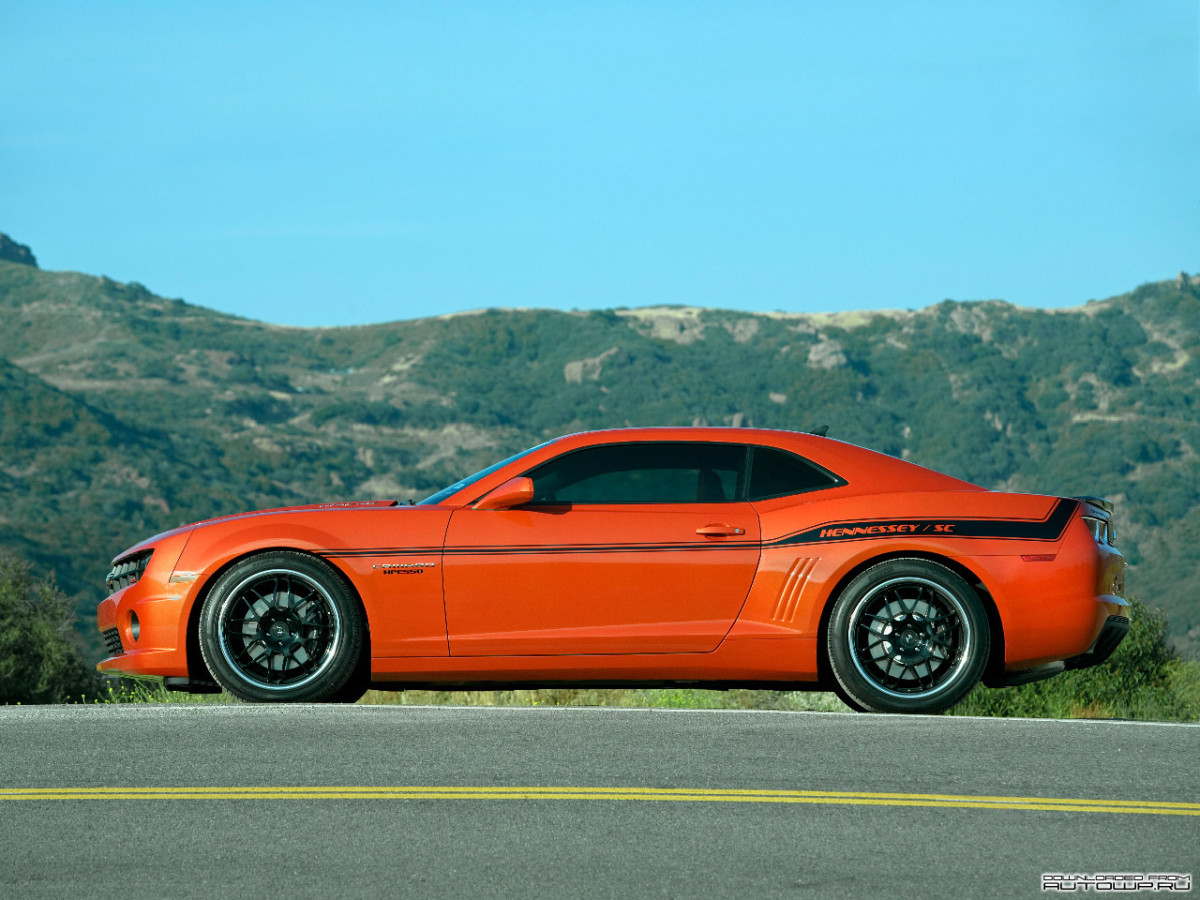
1101, 530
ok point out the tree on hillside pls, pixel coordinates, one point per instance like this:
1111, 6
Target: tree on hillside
40, 661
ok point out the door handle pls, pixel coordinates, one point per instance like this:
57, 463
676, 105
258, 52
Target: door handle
720, 530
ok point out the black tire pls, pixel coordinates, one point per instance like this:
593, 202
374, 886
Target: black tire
840, 693
357, 684
283, 627
907, 636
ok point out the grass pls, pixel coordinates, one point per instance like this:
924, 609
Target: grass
1066, 696
130, 691
659, 698
1070, 696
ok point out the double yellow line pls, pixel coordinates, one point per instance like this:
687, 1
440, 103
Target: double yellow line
687, 795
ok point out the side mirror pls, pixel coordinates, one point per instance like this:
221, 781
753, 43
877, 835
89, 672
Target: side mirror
514, 492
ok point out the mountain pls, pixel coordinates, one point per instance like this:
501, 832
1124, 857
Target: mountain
125, 413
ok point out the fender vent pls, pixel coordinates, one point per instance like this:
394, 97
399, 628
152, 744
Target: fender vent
788, 601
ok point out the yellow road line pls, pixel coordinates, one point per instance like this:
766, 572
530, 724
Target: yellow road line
692, 795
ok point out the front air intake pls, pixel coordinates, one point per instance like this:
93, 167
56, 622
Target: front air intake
112, 642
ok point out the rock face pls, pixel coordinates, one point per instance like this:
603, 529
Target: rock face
574, 372
11, 251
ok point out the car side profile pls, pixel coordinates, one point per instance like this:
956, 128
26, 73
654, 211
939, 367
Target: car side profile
707, 557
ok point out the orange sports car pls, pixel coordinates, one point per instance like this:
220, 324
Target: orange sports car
708, 557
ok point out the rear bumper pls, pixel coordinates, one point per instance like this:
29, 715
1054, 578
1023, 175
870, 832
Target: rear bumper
1114, 631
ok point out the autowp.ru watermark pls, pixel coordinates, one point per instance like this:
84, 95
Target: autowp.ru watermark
1116, 881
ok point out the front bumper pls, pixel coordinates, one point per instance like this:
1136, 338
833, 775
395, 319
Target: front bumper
156, 646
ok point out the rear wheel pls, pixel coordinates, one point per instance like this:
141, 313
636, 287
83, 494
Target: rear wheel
284, 627
907, 636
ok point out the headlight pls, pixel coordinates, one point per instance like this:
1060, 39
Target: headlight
128, 570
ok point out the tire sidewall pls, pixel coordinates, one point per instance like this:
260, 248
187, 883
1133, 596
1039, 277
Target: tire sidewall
345, 652
872, 697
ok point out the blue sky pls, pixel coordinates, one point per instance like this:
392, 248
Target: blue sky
333, 164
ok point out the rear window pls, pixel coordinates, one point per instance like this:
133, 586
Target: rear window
777, 473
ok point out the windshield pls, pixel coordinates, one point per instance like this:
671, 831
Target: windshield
471, 479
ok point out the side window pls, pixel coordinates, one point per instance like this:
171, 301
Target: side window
665, 472
777, 473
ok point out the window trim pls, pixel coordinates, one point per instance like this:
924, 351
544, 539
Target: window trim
835, 482
741, 489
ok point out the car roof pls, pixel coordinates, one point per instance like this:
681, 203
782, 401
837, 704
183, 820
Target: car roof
864, 471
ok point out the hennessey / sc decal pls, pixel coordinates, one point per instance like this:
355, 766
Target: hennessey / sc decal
908, 528
1047, 529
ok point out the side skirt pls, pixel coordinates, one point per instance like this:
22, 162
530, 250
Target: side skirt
596, 685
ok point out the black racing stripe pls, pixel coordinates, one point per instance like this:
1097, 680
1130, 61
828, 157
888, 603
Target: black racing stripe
602, 548
546, 549
379, 551
1050, 528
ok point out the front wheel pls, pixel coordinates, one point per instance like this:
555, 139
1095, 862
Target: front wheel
283, 627
907, 636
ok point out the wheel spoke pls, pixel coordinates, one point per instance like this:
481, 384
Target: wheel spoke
926, 680
246, 651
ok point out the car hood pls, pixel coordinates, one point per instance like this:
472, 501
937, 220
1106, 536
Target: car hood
348, 504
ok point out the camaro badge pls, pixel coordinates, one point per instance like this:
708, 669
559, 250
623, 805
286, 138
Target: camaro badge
404, 568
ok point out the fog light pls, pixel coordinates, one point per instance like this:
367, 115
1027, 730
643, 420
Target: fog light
135, 628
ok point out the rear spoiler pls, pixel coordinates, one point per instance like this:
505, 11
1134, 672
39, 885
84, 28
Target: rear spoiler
1098, 502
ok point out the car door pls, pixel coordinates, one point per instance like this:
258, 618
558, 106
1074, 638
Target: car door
644, 547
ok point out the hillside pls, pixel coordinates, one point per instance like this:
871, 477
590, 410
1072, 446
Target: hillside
125, 413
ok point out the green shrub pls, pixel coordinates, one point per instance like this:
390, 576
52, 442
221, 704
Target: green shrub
40, 659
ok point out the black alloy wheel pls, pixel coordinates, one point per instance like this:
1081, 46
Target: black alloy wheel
907, 636
284, 627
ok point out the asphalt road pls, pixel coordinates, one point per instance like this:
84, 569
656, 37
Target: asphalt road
348, 804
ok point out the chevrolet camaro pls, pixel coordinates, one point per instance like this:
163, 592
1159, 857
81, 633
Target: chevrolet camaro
705, 557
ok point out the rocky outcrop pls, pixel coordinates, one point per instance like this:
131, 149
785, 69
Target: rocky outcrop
575, 372
11, 251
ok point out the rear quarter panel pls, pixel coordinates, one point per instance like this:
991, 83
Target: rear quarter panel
1049, 605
